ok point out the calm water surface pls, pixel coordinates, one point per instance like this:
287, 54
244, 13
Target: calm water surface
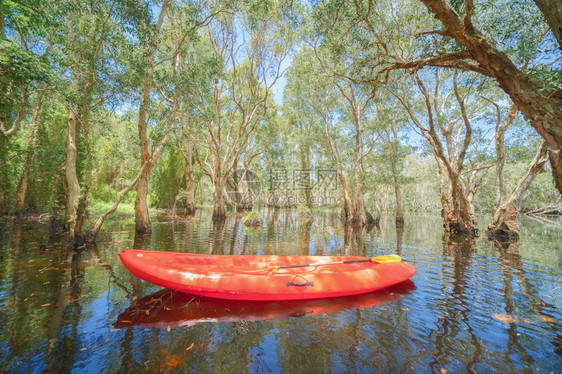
473, 305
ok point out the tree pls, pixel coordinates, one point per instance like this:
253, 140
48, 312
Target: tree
85, 43
539, 103
151, 41
392, 154
232, 100
447, 126
166, 42
504, 224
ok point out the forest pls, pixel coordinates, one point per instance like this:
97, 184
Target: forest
122, 108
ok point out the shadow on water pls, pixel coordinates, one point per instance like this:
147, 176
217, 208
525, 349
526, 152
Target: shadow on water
476, 306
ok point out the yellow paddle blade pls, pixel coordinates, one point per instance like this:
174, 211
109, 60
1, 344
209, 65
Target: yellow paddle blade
386, 259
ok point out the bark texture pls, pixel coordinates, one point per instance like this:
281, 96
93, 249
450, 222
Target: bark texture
190, 181
72, 185
449, 149
504, 224
552, 11
31, 152
142, 218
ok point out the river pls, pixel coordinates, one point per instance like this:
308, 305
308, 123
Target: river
473, 306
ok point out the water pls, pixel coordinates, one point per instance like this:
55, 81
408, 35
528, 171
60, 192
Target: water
473, 305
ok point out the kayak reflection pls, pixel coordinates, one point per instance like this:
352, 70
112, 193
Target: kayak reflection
174, 309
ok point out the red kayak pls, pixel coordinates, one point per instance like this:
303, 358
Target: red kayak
249, 277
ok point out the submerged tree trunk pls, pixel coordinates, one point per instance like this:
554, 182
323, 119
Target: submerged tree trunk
449, 151
355, 213
142, 218
32, 150
504, 224
219, 211
190, 181
72, 185
501, 128
347, 204
459, 214
305, 186
399, 211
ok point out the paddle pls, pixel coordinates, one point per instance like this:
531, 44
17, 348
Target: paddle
379, 260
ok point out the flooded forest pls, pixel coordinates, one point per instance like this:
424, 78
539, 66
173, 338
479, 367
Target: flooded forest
430, 129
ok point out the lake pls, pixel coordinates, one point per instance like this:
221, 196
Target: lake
473, 306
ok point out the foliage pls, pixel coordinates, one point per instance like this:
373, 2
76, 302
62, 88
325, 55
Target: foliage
318, 46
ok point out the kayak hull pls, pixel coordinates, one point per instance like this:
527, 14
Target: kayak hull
251, 277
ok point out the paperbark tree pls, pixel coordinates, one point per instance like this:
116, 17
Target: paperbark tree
449, 144
237, 101
84, 81
92, 234
359, 102
171, 33
540, 107
504, 224
32, 150
187, 153
142, 218
394, 143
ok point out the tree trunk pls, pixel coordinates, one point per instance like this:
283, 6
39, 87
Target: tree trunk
542, 110
219, 211
347, 204
552, 11
504, 225
397, 193
142, 218
500, 155
460, 218
399, 210
359, 217
306, 167
190, 183
32, 150
71, 179
456, 209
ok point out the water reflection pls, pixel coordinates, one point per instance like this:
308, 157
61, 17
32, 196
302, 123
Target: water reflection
452, 327
477, 305
174, 309
513, 271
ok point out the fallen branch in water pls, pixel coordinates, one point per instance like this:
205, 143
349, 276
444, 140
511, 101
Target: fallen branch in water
553, 210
